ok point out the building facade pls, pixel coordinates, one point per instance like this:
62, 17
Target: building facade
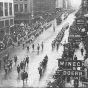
22, 6
28, 9
85, 6
59, 3
43, 5
22, 10
66, 4
6, 16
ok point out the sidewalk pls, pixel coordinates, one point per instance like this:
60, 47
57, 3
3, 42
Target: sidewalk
78, 52
69, 85
79, 57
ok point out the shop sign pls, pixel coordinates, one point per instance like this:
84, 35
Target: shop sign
72, 72
77, 63
80, 21
78, 39
74, 67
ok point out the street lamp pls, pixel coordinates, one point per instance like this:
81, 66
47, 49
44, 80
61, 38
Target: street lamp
32, 11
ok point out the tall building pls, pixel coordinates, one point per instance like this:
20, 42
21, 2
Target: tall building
25, 10
6, 16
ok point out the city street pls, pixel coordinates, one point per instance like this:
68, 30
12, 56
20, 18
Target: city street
12, 80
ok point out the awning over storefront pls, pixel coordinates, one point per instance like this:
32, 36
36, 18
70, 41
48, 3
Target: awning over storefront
86, 15
22, 17
12, 26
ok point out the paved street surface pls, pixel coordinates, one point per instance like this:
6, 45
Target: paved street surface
12, 80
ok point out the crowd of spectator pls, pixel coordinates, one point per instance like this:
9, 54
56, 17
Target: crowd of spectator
20, 30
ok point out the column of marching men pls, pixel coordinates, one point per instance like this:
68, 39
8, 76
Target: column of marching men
59, 37
69, 54
21, 68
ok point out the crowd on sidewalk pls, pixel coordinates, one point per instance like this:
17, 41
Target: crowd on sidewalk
18, 31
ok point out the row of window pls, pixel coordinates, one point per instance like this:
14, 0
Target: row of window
7, 23
21, 0
5, 5
5, 29
16, 8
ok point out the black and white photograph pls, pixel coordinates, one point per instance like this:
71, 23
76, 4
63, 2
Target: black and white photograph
44, 43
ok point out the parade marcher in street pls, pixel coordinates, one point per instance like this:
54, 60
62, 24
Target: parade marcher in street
82, 50
21, 65
24, 64
18, 69
9, 64
0, 63
54, 28
13, 45
5, 68
40, 71
42, 46
52, 45
46, 57
15, 59
38, 47
7, 56
24, 76
27, 60
28, 48
23, 45
57, 45
45, 60
43, 64
76, 83
18, 43
4, 59
75, 57
33, 46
